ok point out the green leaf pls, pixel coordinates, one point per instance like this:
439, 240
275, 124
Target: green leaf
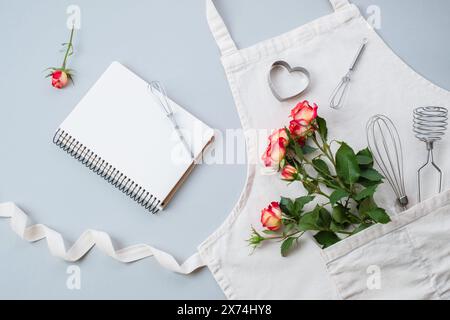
298, 151
309, 221
365, 193
310, 186
335, 227
294, 208
361, 227
324, 218
371, 175
366, 205
321, 167
287, 206
308, 149
288, 226
270, 232
367, 183
353, 219
323, 130
316, 220
337, 195
302, 201
286, 246
340, 215
379, 215
331, 183
346, 165
365, 157
326, 238
364, 160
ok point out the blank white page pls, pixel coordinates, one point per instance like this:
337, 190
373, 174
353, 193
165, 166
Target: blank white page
122, 122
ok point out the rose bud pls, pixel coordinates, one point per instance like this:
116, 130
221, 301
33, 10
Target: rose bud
276, 150
304, 112
59, 79
289, 173
271, 217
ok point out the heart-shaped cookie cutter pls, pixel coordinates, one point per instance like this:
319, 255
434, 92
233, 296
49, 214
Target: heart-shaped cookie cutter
285, 65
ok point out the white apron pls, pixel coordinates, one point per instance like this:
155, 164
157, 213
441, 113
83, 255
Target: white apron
410, 257
414, 261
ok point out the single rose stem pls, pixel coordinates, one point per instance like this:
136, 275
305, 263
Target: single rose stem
305, 174
329, 155
330, 176
324, 150
288, 218
347, 202
323, 194
287, 236
69, 46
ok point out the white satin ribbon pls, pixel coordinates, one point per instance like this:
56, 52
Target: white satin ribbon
90, 238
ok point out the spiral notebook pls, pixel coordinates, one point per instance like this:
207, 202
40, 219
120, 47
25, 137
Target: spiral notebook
119, 131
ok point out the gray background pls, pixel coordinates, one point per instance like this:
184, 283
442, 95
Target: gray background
167, 40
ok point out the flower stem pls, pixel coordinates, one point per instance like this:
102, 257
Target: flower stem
287, 236
327, 152
69, 47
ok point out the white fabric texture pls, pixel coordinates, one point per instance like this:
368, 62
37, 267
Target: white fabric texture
418, 265
411, 254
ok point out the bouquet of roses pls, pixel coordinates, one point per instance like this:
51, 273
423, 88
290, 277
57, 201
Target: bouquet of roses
343, 184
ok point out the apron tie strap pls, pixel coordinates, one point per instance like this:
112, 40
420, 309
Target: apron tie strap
219, 30
89, 239
339, 4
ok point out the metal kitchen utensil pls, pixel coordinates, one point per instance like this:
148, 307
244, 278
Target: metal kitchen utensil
286, 66
157, 89
430, 124
339, 94
385, 144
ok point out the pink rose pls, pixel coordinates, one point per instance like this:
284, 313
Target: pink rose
59, 79
289, 173
276, 150
271, 217
304, 112
299, 131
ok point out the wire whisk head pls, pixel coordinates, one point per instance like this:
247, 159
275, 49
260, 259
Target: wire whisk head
430, 123
158, 90
385, 144
429, 126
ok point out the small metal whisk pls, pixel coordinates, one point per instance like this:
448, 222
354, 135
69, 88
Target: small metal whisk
384, 143
430, 124
339, 94
158, 90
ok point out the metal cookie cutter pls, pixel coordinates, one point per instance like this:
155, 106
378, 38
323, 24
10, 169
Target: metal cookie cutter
291, 70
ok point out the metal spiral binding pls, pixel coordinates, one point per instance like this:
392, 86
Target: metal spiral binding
105, 170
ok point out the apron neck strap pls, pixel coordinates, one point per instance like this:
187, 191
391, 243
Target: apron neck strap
339, 4
219, 30
221, 33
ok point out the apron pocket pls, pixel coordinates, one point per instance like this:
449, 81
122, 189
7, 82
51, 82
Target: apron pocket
385, 268
405, 259
431, 237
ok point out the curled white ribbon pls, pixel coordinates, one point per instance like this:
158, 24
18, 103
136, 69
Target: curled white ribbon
90, 238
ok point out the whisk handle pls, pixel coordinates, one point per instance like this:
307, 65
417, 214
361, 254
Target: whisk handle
358, 54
